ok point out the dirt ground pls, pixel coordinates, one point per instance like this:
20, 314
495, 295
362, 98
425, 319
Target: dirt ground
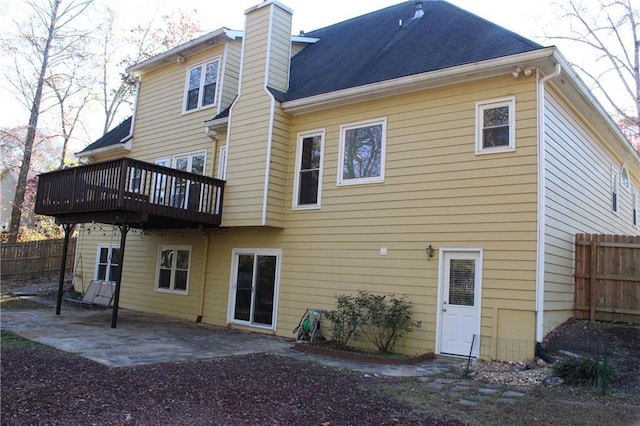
41, 385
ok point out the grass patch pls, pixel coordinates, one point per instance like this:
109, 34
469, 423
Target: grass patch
13, 341
589, 371
15, 302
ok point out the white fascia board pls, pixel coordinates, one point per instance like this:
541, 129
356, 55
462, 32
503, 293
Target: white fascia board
539, 58
217, 124
123, 147
266, 3
304, 39
190, 47
580, 96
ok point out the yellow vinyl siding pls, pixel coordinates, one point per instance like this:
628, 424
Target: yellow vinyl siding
577, 198
280, 53
258, 140
278, 170
138, 289
161, 129
230, 78
436, 191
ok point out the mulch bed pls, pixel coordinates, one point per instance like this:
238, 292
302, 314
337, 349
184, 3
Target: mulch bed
327, 349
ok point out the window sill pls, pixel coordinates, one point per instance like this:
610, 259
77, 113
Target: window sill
169, 291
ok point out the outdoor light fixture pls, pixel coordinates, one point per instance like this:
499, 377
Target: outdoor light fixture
430, 251
180, 59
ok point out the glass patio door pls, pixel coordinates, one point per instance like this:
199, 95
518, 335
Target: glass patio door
254, 288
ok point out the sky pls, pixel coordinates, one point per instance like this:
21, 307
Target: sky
522, 17
519, 16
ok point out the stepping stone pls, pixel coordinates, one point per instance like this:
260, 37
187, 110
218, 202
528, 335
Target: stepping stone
487, 391
467, 402
513, 394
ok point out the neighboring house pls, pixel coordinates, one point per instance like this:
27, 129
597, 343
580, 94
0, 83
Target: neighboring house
8, 183
418, 150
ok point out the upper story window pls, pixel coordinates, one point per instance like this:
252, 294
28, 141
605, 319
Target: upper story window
495, 126
615, 191
308, 178
173, 269
200, 88
362, 152
624, 178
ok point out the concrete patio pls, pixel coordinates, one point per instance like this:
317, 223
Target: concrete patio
143, 338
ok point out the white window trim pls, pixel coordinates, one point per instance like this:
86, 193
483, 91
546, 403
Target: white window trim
190, 156
383, 149
635, 214
296, 184
625, 184
110, 247
171, 288
233, 278
615, 189
201, 89
496, 103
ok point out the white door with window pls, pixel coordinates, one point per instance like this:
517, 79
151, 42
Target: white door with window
460, 277
254, 287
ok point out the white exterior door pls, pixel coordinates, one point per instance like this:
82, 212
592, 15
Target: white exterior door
459, 300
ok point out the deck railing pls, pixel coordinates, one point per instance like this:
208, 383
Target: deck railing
131, 185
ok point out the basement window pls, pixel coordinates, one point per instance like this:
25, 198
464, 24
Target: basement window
173, 269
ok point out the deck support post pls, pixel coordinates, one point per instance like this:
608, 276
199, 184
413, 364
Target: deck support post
68, 228
124, 229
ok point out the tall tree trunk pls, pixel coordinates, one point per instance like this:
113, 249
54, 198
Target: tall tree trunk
18, 201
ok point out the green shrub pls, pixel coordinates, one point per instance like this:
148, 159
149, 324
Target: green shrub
345, 320
590, 371
381, 319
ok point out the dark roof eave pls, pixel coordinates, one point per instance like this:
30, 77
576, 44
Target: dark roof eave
542, 58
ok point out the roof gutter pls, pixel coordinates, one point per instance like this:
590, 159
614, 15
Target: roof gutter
190, 47
412, 83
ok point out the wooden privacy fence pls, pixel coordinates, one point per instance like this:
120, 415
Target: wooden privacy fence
35, 258
607, 277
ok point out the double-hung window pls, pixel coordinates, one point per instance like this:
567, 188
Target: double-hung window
200, 88
173, 269
308, 178
107, 262
495, 126
362, 152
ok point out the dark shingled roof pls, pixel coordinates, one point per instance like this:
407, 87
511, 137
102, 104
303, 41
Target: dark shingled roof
112, 137
374, 47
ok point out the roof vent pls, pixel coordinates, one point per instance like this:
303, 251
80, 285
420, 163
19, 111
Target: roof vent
419, 11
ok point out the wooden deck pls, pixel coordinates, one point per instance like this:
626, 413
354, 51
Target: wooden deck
125, 190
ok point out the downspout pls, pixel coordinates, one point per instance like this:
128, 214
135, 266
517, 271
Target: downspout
203, 283
135, 111
540, 261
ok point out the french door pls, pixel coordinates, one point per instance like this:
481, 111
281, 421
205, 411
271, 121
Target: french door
254, 287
